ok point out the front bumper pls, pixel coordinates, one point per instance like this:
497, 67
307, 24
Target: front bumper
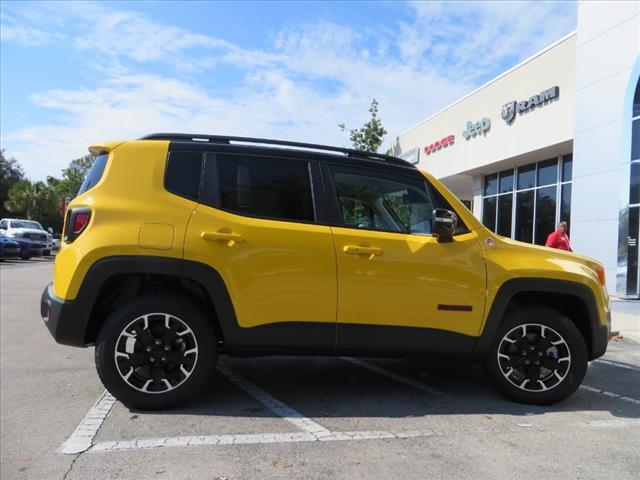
601, 338
66, 319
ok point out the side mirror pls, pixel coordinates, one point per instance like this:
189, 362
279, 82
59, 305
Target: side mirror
50, 230
444, 224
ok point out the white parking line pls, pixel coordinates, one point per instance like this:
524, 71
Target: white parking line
82, 437
398, 378
252, 439
617, 423
610, 394
618, 364
276, 406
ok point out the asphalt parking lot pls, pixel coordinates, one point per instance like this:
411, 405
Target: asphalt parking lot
302, 418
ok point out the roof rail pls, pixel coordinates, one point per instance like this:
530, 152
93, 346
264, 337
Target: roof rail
223, 139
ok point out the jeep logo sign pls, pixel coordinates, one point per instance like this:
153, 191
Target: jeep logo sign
477, 128
509, 110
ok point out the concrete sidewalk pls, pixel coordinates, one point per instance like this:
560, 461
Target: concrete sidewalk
625, 318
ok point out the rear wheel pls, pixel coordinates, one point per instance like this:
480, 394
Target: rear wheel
539, 356
25, 256
155, 352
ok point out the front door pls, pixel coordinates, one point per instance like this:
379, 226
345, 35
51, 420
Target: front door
399, 289
259, 232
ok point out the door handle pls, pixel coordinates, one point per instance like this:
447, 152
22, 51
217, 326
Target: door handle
358, 250
220, 235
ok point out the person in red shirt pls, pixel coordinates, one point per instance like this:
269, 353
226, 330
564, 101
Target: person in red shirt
559, 239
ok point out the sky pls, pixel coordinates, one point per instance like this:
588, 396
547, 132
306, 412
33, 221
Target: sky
75, 73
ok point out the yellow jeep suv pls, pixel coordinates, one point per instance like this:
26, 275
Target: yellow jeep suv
181, 247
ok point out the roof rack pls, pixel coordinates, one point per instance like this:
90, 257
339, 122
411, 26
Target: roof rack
223, 139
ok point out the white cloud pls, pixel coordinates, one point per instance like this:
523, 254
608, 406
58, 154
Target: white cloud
310, 78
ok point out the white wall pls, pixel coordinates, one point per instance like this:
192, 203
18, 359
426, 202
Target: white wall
607, 48
547, 125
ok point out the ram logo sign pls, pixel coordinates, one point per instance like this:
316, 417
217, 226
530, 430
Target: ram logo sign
509, 110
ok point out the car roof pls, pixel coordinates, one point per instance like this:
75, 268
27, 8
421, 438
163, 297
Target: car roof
309, 149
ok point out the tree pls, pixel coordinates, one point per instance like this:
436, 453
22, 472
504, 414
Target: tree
72, 177
10, 173
370, 136
32, 200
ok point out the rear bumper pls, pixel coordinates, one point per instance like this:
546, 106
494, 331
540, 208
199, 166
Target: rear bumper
66, 320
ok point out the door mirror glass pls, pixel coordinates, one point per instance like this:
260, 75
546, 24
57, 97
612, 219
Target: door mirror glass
444, 224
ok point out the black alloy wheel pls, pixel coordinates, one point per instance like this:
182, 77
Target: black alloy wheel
155, 352
538, 356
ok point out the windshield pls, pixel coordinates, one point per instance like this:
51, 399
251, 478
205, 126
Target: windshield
26, 224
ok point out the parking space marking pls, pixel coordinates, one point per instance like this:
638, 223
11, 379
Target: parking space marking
252, 439
398, 378
610, 394
276, 406
617, 423
82, 437
618, 364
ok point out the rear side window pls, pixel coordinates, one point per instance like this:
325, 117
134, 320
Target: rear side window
95, 173
182, 175
265, 187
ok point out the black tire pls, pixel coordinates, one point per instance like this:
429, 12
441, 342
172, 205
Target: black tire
111, 336
565, 376
46, 253
25, 256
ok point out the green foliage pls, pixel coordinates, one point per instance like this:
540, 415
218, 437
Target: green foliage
72, 177
19, 197
32, 200
10, 173
370, 136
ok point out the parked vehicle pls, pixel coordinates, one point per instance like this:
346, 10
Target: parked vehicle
8, 248
55, 242
28, 231
182, 247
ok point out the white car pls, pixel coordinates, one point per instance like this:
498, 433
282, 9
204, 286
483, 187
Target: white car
27, 230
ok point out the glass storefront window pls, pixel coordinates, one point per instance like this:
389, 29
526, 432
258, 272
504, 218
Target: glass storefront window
567, 168
491, 184
524, 216
489, 213
506, 181
542, 196
635, 139
565, 206
545, 213
548, 172
505, 204
634, 184
526, 176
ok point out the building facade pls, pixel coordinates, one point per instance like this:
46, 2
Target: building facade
556, 138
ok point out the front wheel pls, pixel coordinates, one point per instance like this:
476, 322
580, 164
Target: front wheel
538, 356
155, 352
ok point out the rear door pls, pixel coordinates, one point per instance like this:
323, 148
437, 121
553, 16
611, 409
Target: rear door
257, 225
399, 289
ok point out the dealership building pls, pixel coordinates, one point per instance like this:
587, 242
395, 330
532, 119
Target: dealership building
555, 138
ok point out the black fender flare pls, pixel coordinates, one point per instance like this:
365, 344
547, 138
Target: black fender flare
510, 288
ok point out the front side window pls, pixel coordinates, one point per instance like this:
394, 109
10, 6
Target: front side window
272, 188
373, 201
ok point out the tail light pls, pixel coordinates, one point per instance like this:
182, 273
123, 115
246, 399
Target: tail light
76, 223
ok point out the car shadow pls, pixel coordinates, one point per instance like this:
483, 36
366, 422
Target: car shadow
335, 387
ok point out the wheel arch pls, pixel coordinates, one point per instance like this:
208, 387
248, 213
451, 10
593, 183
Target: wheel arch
572, 299
112, 281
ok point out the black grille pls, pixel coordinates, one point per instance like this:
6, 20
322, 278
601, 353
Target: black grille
35, 236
